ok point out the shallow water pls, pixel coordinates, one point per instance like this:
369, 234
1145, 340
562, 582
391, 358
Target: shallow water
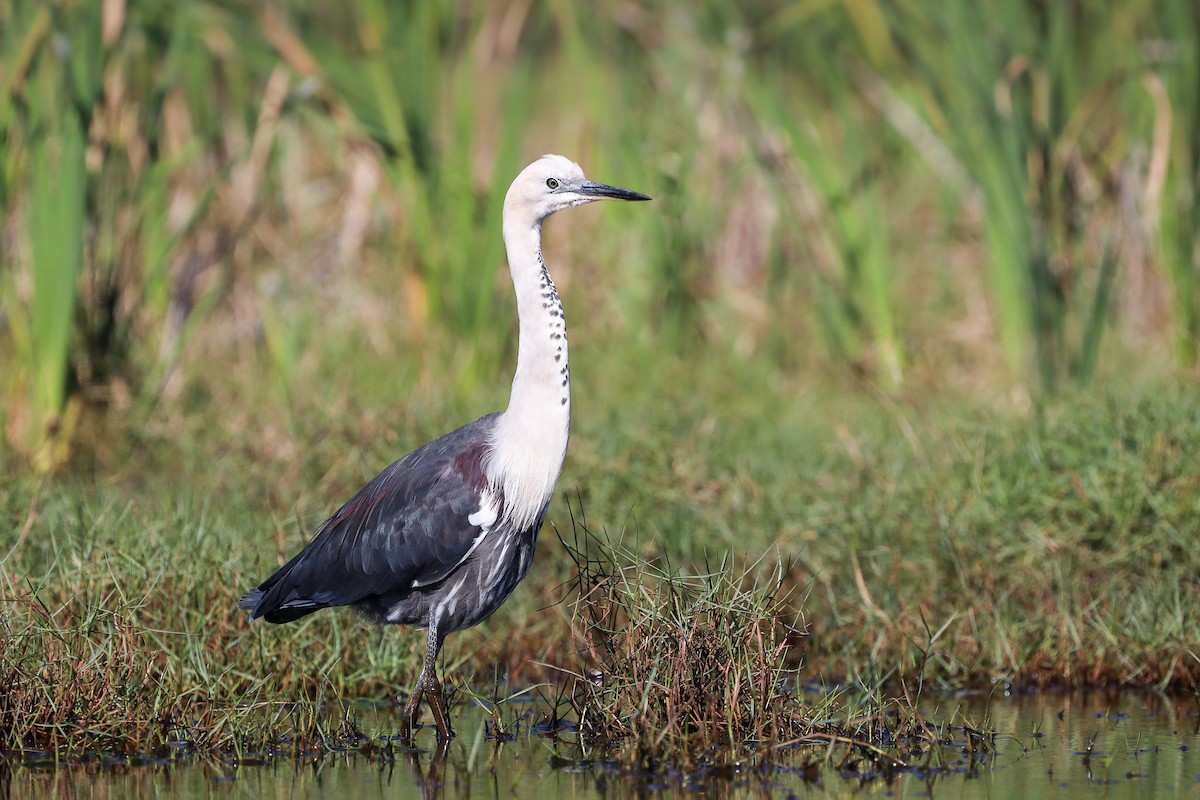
1141, 745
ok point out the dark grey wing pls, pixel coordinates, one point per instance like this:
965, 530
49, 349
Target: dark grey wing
407, 527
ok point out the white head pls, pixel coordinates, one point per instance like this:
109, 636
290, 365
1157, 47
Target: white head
553, 183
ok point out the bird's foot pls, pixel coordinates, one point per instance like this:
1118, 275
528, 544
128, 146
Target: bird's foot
437, 706
429, 687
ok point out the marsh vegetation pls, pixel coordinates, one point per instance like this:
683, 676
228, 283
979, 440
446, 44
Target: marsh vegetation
894, 387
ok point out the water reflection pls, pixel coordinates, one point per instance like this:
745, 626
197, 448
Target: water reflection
1116, 744
1065, 745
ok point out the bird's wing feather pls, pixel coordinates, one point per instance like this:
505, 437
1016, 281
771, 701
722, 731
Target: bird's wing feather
411, 525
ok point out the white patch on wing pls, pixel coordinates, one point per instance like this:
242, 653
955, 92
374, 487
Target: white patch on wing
483, 518
500, 562
450, 600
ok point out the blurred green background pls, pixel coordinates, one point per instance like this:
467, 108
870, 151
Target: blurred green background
915, 306
986, 199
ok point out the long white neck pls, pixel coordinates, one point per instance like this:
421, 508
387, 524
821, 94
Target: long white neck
530, 438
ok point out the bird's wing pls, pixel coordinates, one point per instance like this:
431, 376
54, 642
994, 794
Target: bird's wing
411, 525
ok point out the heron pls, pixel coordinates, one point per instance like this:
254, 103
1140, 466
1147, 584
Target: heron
440, 538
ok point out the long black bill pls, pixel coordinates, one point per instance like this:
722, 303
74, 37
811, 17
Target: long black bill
593, 189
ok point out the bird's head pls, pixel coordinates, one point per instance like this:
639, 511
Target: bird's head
553, 183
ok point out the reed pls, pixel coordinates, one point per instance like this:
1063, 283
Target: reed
840, 179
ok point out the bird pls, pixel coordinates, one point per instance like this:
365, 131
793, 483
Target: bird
439, 539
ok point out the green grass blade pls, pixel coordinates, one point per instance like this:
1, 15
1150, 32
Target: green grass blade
56, 221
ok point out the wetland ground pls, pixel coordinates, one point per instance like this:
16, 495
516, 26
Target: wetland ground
1116, 745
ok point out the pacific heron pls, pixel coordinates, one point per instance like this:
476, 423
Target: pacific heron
439, 539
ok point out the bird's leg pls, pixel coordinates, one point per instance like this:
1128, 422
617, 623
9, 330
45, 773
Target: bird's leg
437, 705
429, 686
433, 687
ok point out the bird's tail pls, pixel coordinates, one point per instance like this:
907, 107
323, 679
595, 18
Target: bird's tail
250, 601
260, 603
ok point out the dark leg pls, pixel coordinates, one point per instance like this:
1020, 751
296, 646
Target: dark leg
429, 686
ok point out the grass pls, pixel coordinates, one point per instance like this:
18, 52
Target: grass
682, 664
917, 549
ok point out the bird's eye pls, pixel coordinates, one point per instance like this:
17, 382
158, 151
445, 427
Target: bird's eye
552, 183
